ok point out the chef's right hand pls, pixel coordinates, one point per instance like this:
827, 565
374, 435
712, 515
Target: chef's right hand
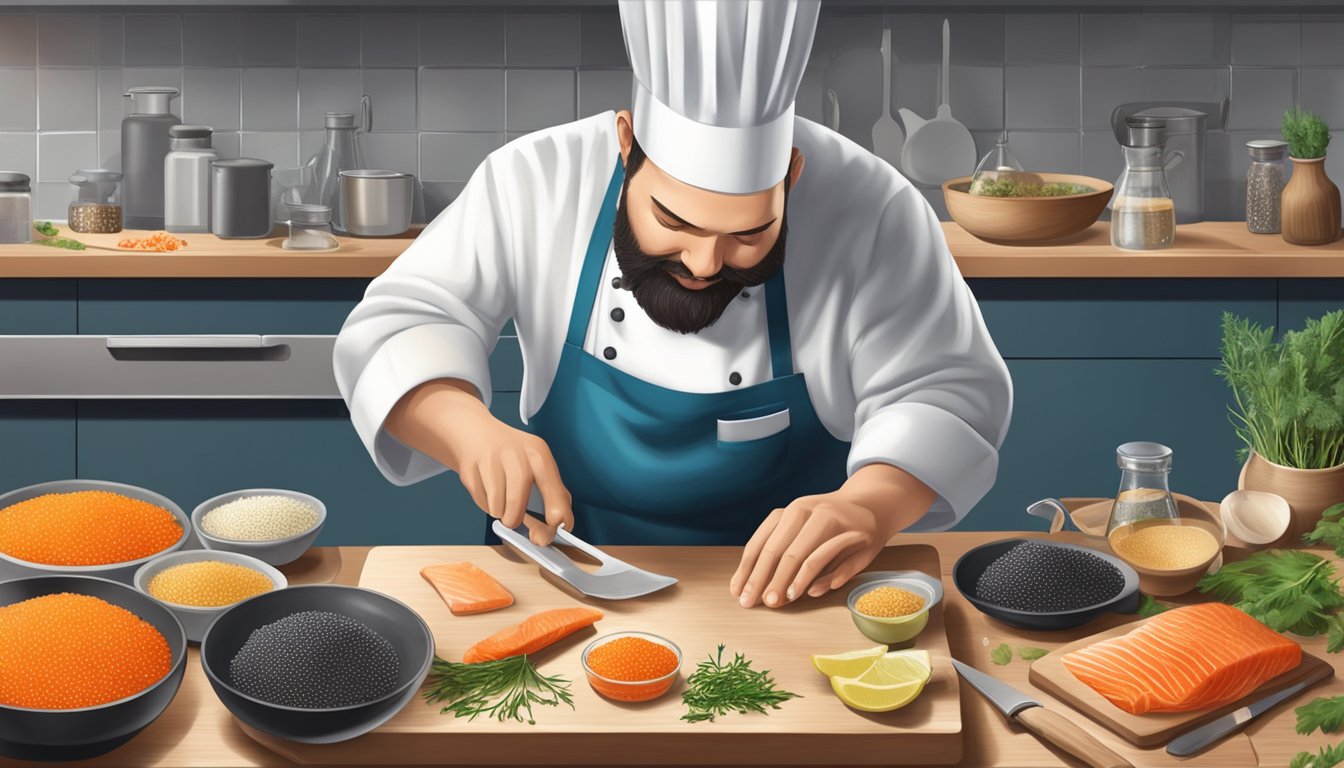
497, 464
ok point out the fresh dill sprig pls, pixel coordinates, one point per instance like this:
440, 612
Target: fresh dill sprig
503, 689
715, 689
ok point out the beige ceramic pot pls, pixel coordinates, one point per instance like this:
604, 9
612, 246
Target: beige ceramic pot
1309, 492
1310, 206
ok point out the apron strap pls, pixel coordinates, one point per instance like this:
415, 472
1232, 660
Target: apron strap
598, 244
777, 326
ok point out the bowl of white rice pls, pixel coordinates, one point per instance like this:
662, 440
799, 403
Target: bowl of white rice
273, 525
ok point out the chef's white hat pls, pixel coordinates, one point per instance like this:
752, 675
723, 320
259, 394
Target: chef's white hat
715, 82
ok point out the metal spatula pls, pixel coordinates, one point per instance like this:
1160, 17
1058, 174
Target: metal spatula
614, 580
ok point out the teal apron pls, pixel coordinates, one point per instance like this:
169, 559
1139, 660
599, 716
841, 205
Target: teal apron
651, 465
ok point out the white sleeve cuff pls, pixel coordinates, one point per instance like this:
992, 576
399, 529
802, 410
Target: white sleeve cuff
402, 363
940, 449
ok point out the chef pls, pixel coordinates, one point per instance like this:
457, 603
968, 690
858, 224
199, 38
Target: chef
736, 325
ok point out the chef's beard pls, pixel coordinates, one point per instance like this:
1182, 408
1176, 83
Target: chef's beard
663, 299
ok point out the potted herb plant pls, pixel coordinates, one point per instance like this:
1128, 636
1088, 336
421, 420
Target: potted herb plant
1289, 411
1310, 207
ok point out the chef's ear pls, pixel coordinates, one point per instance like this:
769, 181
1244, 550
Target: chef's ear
796, 160
625, 134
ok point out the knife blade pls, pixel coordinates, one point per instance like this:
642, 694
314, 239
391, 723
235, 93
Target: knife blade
1193, 741
1049, 726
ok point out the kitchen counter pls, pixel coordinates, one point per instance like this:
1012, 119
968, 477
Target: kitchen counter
1207, 249
197, 730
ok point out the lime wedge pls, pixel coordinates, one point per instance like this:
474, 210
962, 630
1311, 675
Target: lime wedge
899, 667
892, 681
851, 664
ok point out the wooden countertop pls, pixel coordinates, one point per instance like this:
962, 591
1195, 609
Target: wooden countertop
198, 731
1207, 249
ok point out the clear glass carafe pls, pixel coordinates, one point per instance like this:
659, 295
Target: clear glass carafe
1144, 495
339, 153
1143, 216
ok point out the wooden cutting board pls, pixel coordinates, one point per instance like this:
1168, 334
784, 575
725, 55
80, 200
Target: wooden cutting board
697, 614
1154, 729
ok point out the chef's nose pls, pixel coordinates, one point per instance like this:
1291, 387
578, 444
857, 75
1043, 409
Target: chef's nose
702, 258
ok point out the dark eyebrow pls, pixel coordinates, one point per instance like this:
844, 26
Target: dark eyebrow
743, 233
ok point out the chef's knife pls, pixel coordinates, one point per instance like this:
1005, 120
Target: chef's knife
1051, 727
1191, 742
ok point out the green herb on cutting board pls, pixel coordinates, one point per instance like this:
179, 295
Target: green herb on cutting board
1001, 655
1286, 590
1029, 653
502, 689
1328, 757
714, 689
1329, 530
1148, 607
1321, 712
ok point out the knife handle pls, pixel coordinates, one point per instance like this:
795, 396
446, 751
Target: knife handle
1063, 733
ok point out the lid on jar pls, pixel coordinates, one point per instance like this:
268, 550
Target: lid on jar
340, 119
95, 176
151, 99
1267, 150
190, 131
1146, 131
13, 181
370, 173
306, 213
1143, 457
243, 162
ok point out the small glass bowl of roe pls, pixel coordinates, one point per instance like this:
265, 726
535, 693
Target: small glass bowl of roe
892, 607
632, 666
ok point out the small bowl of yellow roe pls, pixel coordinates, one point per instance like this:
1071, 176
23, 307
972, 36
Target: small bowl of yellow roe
198, 585
892, 607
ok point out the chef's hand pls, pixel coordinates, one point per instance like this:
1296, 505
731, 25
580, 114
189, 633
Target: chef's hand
497, 464
818, 543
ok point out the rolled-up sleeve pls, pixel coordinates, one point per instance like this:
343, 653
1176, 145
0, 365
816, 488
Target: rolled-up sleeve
435, 313
933, 395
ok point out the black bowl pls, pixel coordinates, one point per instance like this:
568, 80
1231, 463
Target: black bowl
969, 566
77, 734
402, 627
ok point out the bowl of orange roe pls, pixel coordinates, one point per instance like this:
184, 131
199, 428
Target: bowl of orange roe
198, 585
87, 664
86, 528
632, 666
892, 607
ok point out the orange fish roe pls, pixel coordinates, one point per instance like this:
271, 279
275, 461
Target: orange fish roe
632, 660
65, 651
888, 602
86, 528
208, 584
159, 241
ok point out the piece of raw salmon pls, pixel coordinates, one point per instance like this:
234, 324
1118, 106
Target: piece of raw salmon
532, 634
467, 589
1188, 658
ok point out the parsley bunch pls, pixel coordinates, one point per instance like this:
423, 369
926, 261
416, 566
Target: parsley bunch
1287, 590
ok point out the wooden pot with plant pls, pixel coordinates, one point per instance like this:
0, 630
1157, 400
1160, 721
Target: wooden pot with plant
1289, 411
1310, 208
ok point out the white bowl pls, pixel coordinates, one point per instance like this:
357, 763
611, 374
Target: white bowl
14, 568
273, 551
1257, 518
197, 619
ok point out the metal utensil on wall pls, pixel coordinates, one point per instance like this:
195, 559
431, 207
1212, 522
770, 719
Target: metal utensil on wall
888, 138
942, 148
833, 103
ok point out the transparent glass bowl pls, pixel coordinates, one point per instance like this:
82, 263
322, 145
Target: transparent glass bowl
627, 690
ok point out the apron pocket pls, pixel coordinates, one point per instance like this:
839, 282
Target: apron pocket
753, 425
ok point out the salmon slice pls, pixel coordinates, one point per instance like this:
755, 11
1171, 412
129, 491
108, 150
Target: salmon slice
467, 589
1188, 658
534, 633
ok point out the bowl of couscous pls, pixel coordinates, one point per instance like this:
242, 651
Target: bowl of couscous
273, 525
892, 607
86, 528
200, 584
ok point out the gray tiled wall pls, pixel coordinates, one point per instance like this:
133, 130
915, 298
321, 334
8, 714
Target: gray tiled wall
450, 86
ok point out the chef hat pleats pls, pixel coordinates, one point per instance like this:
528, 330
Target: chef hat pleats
715, 83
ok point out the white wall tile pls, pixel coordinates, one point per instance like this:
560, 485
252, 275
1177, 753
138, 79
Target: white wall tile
602, 40
1185, 38
18, 92
270, 99
1104, 89
212, 96
270, 39
1320, 39
1260, 97
329, 40
977, 96
1322, 91
153, 40
61, 154
391, 151
1110, 39
392, 94
111, 40
389, 38
327, 90
1041, 38
18, 152
65, 39
279, 147
1045, 96
461, 39
1051, 152
1262, 39
461, 99
69, 99
539, 98
542, 40
18, 40
604, 89
211, 39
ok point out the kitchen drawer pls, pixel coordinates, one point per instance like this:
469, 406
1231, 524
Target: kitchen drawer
37, 306
290, 306
191, 451
1301, 299
38, 442
1069, 416
1116, 318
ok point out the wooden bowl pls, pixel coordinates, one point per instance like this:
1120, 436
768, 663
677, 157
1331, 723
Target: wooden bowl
1026, 220
1178, 581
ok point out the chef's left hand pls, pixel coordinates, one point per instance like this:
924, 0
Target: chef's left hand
818, 543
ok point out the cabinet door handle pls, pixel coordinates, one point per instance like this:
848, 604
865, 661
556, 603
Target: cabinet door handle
236, 341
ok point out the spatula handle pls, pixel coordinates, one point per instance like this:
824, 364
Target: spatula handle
1058, 730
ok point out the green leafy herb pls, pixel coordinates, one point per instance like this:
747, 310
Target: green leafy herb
1001, 655
1329, 530
1286, 590
1307, 135
61, 242
1334, 635
503, 689
1006, 186
1321, 712
1328, 757
1028, 653
714, 689
1148, 607
46, 228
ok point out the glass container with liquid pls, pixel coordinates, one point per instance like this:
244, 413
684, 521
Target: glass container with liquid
1143, 216
1146, 528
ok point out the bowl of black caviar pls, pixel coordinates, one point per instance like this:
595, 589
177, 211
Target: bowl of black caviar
1048, 585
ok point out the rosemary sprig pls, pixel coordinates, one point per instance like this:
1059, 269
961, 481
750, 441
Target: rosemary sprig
715, 689
502, 689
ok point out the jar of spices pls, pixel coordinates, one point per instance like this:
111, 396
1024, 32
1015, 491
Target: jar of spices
309, 228
1264, 186
97, 205
16, 208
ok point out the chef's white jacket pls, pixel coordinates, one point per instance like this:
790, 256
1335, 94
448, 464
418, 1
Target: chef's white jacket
889, 338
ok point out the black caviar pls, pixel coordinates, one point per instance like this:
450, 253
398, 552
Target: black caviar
1047, 579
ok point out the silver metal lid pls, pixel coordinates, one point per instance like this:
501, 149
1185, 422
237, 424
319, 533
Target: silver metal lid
367, 173
190, 131
1143, 457
13, 181
94, 176
243, 162
1146, 131
306, 213
340, 120
1178, 119
1267, 150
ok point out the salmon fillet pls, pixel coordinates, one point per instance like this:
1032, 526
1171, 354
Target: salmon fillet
467, 589
1188, 658
534, 633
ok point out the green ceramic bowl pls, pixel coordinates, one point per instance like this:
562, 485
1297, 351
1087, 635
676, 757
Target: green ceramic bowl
899, 629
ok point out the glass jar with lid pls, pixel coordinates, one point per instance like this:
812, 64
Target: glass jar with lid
1143, 215
1264, 186
97, 204
1144, 493
309, 228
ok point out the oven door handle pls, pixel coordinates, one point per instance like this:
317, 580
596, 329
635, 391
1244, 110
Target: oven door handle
211, 341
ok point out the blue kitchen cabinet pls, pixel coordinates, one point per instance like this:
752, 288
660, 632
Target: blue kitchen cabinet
38, 437
289, 306
1302, 299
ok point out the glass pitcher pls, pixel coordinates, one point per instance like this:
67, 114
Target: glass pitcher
339, 153
1143, 216
1144, 494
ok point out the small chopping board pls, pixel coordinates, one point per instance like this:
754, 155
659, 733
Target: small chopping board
1157, 728
697, 614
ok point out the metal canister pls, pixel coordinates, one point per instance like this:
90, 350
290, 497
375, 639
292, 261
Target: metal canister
240, 198
376, 203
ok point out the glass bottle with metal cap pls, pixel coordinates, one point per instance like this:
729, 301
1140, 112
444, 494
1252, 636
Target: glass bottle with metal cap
97, 205
1144, 493
1264, 186
1143, 216
339, 153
